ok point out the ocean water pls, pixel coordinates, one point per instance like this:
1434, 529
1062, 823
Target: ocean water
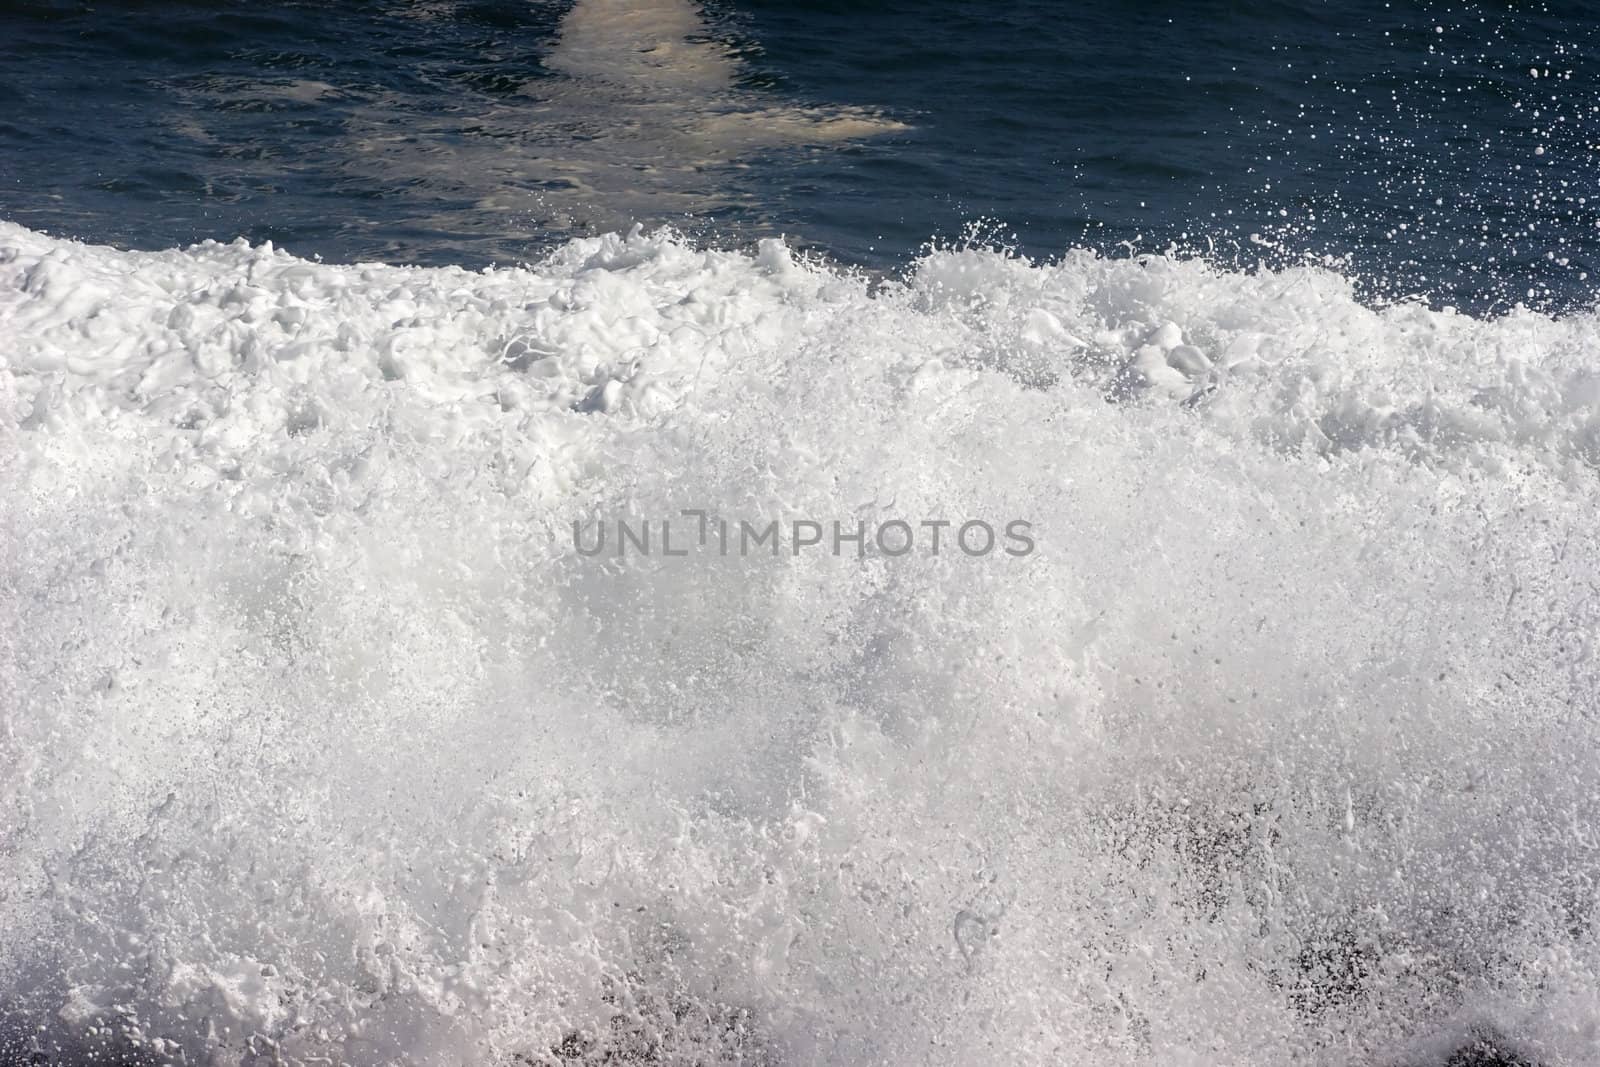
326, 331
1440, 150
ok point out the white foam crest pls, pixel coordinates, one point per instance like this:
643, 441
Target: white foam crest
322, 741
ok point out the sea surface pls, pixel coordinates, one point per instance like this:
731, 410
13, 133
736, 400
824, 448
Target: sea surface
1440, 150
1171, 435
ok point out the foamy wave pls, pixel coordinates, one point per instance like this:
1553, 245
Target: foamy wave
321, 742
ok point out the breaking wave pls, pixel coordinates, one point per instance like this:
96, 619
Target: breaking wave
321, 743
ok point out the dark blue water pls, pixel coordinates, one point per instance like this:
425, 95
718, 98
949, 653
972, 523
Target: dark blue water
1446, 150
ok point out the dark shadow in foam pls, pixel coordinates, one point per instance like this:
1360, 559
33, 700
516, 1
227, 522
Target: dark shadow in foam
33, 1039
1487, 1049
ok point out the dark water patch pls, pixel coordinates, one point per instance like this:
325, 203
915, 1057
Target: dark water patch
1439, 148
1487, 1049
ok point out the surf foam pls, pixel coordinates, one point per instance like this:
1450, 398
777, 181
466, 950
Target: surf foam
320, 742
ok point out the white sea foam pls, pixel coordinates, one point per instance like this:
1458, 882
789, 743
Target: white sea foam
319, 740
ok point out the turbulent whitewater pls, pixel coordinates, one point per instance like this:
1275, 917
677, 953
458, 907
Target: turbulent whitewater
321, 744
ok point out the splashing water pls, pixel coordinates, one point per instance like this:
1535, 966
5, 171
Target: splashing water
320, 741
